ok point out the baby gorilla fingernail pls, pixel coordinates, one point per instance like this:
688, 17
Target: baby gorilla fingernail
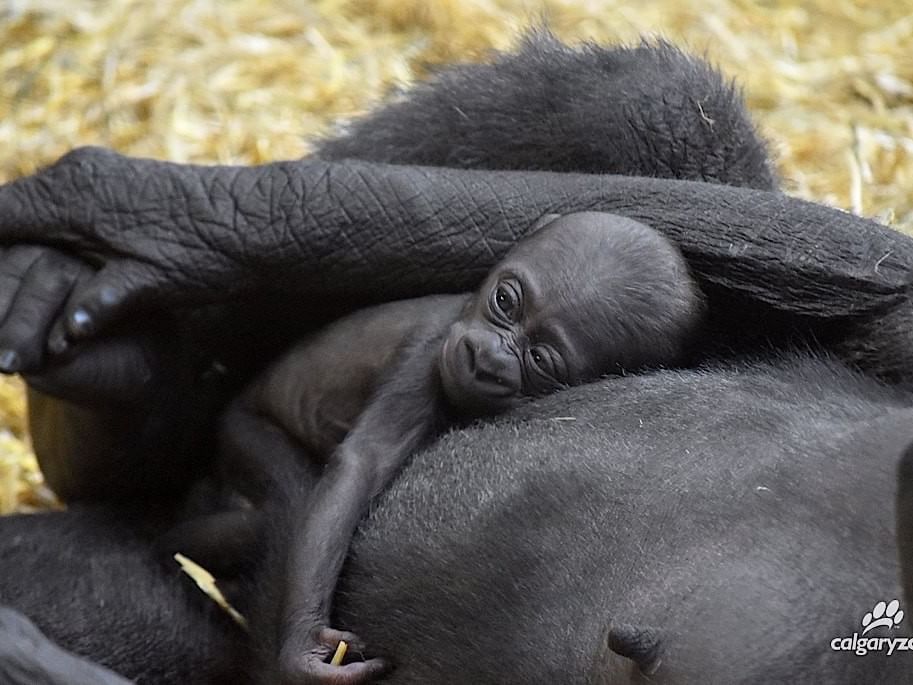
9, 361
81, 322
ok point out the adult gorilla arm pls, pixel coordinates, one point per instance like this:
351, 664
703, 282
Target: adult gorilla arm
360, 231
181, 635
27, 657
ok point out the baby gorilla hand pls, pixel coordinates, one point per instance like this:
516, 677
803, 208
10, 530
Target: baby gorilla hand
304, 661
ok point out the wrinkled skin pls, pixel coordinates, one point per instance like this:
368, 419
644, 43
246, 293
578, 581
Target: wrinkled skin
758, 254
587, 295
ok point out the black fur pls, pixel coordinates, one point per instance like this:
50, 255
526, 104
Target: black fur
592, 109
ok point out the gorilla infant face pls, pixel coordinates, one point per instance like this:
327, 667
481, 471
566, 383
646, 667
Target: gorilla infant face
586, 295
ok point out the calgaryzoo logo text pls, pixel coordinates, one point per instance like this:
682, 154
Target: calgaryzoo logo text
886, 615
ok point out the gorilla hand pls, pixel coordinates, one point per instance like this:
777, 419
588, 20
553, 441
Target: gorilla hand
96, 399
148, 225
35, 284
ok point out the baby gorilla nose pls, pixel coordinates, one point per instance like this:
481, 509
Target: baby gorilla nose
493, 368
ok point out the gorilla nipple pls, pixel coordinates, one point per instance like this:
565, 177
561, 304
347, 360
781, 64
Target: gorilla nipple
640, 645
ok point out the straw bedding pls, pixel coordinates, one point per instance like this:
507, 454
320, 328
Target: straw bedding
830, 81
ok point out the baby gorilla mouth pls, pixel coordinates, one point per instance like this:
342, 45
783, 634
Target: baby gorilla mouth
491, 373
478, 375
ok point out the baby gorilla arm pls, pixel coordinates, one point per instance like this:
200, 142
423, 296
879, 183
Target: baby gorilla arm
401, 417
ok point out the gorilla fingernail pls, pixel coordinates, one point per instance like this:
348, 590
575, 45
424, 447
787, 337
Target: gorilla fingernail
109, 296
10, 362
81, 322
58, 345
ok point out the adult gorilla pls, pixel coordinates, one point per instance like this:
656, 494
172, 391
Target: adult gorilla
697, 515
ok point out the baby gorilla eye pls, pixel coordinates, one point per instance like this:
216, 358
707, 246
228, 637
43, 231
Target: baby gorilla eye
506, 301
547, 370
543, 361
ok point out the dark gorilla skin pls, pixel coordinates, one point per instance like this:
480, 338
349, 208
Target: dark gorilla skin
576, 529
587, 295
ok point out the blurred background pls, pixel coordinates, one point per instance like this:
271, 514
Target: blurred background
247, 81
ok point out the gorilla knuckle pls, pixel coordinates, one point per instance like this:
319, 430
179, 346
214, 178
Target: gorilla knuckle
73, 177
57, 267
84, 158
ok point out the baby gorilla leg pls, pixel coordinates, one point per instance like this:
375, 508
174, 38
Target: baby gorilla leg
224, 543
259, 464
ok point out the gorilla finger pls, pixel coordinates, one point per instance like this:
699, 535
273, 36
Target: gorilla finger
27, 213
110, 370
58, 341
14, 262
107, 296
42, 291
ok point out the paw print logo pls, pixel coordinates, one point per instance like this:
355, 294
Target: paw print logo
888, 615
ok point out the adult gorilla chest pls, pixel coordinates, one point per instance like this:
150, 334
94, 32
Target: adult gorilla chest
700, 505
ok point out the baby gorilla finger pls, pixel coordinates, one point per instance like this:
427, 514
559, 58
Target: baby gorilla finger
58, 339
34, 297
312, 670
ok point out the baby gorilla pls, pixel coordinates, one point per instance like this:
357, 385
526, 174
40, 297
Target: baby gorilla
585, 295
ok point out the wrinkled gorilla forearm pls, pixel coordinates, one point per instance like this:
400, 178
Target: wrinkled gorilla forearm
445, 227
366, 232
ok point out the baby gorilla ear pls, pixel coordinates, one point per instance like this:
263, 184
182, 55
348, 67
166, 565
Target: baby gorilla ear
542, 222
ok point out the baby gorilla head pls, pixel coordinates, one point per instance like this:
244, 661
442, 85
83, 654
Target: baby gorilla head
586, 295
